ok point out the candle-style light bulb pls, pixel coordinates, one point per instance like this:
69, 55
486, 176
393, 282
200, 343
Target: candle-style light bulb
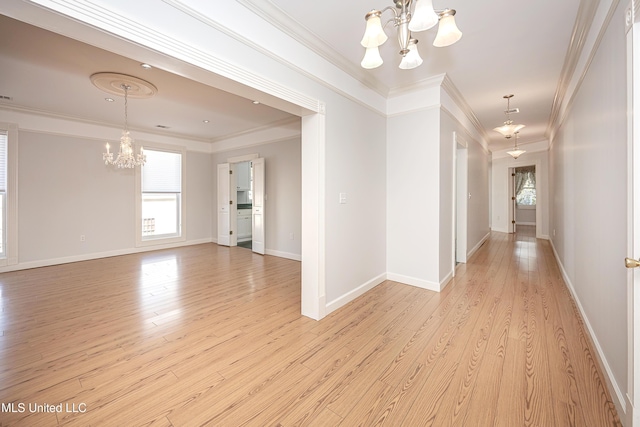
107, 148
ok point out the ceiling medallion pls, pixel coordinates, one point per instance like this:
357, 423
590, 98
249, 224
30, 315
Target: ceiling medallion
114, 83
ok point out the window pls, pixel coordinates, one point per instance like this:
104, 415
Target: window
526, 186
8, 194
161, 207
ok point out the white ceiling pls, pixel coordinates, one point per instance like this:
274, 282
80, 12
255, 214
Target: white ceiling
507, 47
49, 73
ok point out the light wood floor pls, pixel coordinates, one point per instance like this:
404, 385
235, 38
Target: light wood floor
206, 335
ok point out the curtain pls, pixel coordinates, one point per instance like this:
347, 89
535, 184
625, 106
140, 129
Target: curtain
523, 175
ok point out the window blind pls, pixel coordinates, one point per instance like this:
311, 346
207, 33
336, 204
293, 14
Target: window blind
162, 173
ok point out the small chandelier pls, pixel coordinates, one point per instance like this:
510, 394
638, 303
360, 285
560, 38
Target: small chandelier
508, 129
516, 152
126, 158
409, 16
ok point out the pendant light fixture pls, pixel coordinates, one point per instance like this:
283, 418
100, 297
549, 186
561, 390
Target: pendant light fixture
516, 152
409, 16
508, 129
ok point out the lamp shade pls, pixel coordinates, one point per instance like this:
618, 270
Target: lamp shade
372, 58
374, 34
516, 153
423, 17
448, 32
507, 130
411, 59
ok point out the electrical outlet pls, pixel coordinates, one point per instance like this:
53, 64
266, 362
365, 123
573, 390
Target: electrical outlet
290, 236
82, 238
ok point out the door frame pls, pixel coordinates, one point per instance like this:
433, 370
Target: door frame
632, 29
541, 202
459, 202
233, 161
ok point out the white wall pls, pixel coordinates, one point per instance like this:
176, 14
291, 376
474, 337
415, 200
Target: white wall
65, 190
413, 198
588, 159
283, 190
477, 184
356, 166
526, 215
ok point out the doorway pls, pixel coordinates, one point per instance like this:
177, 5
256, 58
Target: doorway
244, 198
241, 198
461, 202
523, 203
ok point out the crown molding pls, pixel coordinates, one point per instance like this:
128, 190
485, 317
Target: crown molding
277, 124
285, 23
575, 67
452, 90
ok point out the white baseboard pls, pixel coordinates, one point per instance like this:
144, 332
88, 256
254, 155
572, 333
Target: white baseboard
525, 223
287, 255
500, 229
97, 255
272, 252
618, 395
420, 283
480, 243
355, 293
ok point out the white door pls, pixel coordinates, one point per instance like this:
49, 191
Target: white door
226, 205
257, 214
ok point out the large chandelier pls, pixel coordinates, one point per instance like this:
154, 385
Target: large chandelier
410, 16
508, 129
129, 87
126, 158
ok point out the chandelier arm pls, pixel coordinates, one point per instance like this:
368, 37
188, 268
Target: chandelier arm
393, 20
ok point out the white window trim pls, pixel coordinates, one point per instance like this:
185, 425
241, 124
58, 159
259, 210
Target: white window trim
11, 254
183, 200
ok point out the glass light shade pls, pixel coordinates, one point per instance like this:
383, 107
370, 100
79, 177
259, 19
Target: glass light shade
423, 16
516, 153
372, 58
374, 35
508, 129
448, 32
411, 59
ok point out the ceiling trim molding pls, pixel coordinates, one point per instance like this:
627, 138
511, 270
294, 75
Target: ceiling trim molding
468, 136
427, 83
191, 142
457, 97
277, 124
572, 76
285, 23
223, 146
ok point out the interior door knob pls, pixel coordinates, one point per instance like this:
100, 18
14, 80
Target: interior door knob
631, 263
